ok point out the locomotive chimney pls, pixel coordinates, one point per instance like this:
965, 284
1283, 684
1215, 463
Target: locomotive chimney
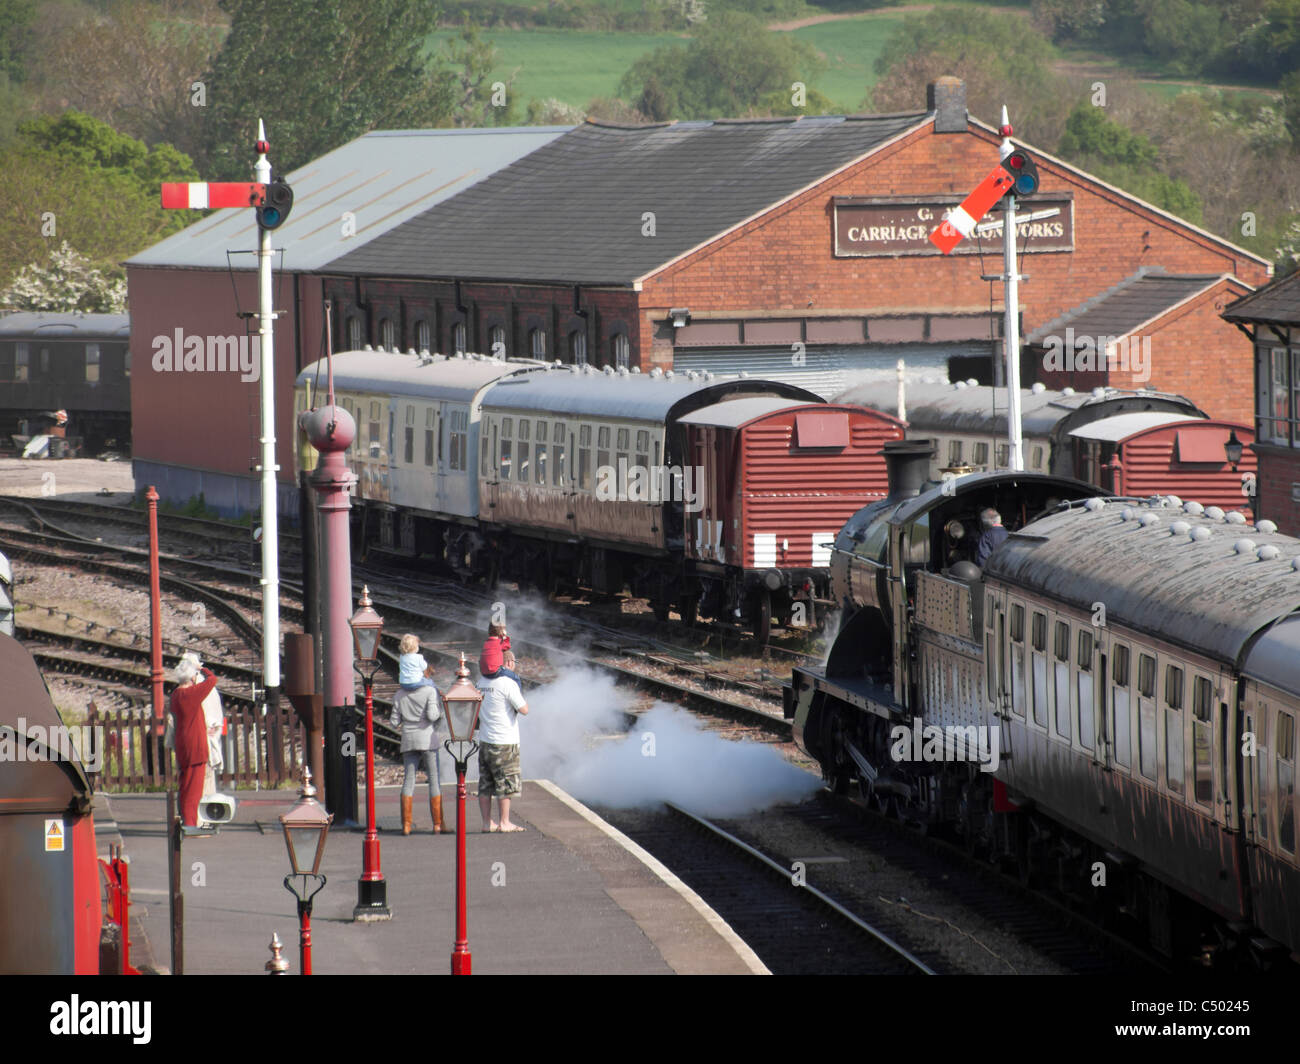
908, 465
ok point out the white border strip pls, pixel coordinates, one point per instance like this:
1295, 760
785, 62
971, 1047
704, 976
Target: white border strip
750, 958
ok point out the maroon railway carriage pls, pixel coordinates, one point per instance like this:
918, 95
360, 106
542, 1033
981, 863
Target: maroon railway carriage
779, 478
1164, 453
50, 903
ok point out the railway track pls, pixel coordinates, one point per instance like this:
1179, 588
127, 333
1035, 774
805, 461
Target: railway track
793, 929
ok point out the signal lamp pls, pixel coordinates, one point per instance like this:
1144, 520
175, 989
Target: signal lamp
1023, 171
277, 205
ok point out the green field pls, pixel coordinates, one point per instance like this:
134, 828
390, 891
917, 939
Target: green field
568, 65
576, 66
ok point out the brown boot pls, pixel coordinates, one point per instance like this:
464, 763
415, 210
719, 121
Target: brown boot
408, 805
435, 808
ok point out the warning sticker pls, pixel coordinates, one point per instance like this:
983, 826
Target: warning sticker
54, 836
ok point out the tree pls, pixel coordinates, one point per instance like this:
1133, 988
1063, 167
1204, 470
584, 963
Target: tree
16, 18
478, 100
321, 73
73, 178
138, 67
66, 282
731, 64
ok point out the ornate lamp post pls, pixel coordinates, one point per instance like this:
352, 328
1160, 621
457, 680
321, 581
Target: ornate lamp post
305, 826
372, 889
462, 703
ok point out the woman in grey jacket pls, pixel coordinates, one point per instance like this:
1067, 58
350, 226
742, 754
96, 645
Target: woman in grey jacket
417, 708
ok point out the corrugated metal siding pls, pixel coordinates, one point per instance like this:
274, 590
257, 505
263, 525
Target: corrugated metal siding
802, 499
1150, 469
829, 370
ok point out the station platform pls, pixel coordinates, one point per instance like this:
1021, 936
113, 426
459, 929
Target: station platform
569, 895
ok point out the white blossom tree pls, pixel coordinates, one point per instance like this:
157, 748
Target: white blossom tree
67, 281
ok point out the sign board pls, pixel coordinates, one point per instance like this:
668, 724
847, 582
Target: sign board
54, 836
874, 227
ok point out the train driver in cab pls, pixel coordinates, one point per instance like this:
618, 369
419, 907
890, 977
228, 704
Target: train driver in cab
992, 536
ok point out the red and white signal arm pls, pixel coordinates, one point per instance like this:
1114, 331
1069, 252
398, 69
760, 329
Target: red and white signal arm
201, 195
960, 222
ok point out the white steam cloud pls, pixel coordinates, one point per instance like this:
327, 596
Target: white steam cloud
666, 756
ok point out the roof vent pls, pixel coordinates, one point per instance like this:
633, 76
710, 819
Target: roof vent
656, 373
744, 373
668, 374
1214, 513
959, 385
708, 374
1127, 514
367, 348
1295, 564
1067, 391
636, 369
1173, 501
607, 370
1244, 546
1094, 504
1236, 518
1179, 528
1200, 534
622, 371
1267, 553
1099, 393
1265, 526
972, 382
1038, 388
1193, 508
1148, 519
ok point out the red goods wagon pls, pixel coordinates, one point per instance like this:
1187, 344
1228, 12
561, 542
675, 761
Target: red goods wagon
1160, 453
779, 479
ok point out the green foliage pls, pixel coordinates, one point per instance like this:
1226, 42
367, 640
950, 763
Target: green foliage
16, 18
65, 283
727, 70
472, 59
1116, 154
321, 73
955, 29
71, 177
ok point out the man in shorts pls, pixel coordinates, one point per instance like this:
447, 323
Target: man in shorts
498, 752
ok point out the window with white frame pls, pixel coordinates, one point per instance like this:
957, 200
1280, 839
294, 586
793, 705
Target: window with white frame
422, 335
497, 341
458, 338
622, 351
578, 347
537, 343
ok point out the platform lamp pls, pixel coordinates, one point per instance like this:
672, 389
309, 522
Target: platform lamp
462, 702
372, 889
306, 827
1233, 448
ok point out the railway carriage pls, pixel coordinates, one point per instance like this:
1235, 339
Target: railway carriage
779, 479
1135, 660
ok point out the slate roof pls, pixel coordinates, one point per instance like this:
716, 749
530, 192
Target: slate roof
1133, 302
29, 323
573, 211
1278, 302
382, 178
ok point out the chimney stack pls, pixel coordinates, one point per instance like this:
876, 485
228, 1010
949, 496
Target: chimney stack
946, 98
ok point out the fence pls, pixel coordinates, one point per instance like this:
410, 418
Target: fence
261, 749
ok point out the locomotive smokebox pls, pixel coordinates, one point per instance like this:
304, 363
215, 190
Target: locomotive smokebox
908, 465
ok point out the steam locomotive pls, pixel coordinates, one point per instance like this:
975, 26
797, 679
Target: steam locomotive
1108, 703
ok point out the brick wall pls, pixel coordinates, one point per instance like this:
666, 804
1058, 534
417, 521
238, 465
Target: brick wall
1277, 472
785, 260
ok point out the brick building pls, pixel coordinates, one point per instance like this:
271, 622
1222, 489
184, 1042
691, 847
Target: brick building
1270, 317
786, 246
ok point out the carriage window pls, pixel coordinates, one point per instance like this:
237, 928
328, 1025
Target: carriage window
507, 438
954, 452
21, 357
602, 446
1173, 687
523, 451
1039, 663
1146, 675
539, 459
1286, 781
981, 454
560, 477
92, 363
1202, 712
1119, 702
1083, 689
642, 447
584, 458
429, 435
1061, 674
374, 428
1017, 623
1004, 455
409, 445
1038, 458
485, 466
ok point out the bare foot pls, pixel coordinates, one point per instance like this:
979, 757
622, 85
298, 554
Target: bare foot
511, 827
487, 828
